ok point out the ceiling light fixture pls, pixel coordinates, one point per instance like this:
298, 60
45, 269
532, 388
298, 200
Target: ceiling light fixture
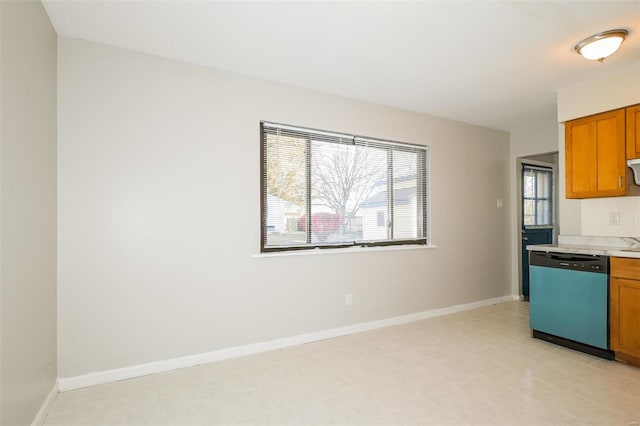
599, 46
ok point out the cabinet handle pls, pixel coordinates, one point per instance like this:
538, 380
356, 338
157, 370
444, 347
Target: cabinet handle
619, 181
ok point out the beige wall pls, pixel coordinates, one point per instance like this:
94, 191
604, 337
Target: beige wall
614, 88
159, 212
28, 210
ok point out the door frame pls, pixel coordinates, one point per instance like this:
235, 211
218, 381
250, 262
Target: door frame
554, 205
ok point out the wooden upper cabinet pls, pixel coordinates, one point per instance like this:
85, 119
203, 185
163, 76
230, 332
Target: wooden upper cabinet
633, 132
595, 156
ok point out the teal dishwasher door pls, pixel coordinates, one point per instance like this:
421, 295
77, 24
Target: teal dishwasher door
570, 304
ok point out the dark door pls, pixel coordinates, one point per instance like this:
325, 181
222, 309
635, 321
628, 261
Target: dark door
532, 237
537, 213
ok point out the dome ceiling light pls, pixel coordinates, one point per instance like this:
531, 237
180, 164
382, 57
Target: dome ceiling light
599, 46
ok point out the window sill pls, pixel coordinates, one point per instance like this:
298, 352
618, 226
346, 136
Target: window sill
318, 251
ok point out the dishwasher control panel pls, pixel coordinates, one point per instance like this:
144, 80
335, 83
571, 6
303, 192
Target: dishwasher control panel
575, 262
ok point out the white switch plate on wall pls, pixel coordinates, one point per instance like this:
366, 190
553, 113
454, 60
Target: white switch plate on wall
614, 218
348, 299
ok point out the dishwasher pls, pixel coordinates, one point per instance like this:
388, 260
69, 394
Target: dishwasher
569, 301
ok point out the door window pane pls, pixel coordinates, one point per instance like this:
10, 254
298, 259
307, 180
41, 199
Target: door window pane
528, 180
537, 193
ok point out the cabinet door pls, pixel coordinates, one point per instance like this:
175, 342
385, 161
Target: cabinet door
633, 132
595, 156
581, 163
625, 316
625, 267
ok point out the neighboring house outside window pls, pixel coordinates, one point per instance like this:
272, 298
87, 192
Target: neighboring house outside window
324, 189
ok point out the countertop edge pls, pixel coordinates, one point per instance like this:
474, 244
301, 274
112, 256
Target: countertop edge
588, 250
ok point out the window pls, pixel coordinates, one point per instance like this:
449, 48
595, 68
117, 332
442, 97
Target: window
537, 209
322, 189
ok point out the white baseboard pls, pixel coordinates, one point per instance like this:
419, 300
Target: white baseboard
108, 376
517, 297
46, 406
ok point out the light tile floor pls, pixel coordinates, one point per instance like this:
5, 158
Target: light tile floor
476, 367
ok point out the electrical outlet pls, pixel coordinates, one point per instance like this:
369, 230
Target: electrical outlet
348, 299
614, 218
499, 203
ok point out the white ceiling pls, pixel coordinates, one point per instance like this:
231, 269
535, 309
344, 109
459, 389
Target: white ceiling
491, 63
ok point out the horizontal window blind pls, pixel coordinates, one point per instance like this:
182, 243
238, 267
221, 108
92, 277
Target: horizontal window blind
327, 189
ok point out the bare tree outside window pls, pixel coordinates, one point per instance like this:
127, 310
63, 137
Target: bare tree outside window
344, 176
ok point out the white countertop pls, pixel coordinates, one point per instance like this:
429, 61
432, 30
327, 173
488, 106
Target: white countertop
595, 246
